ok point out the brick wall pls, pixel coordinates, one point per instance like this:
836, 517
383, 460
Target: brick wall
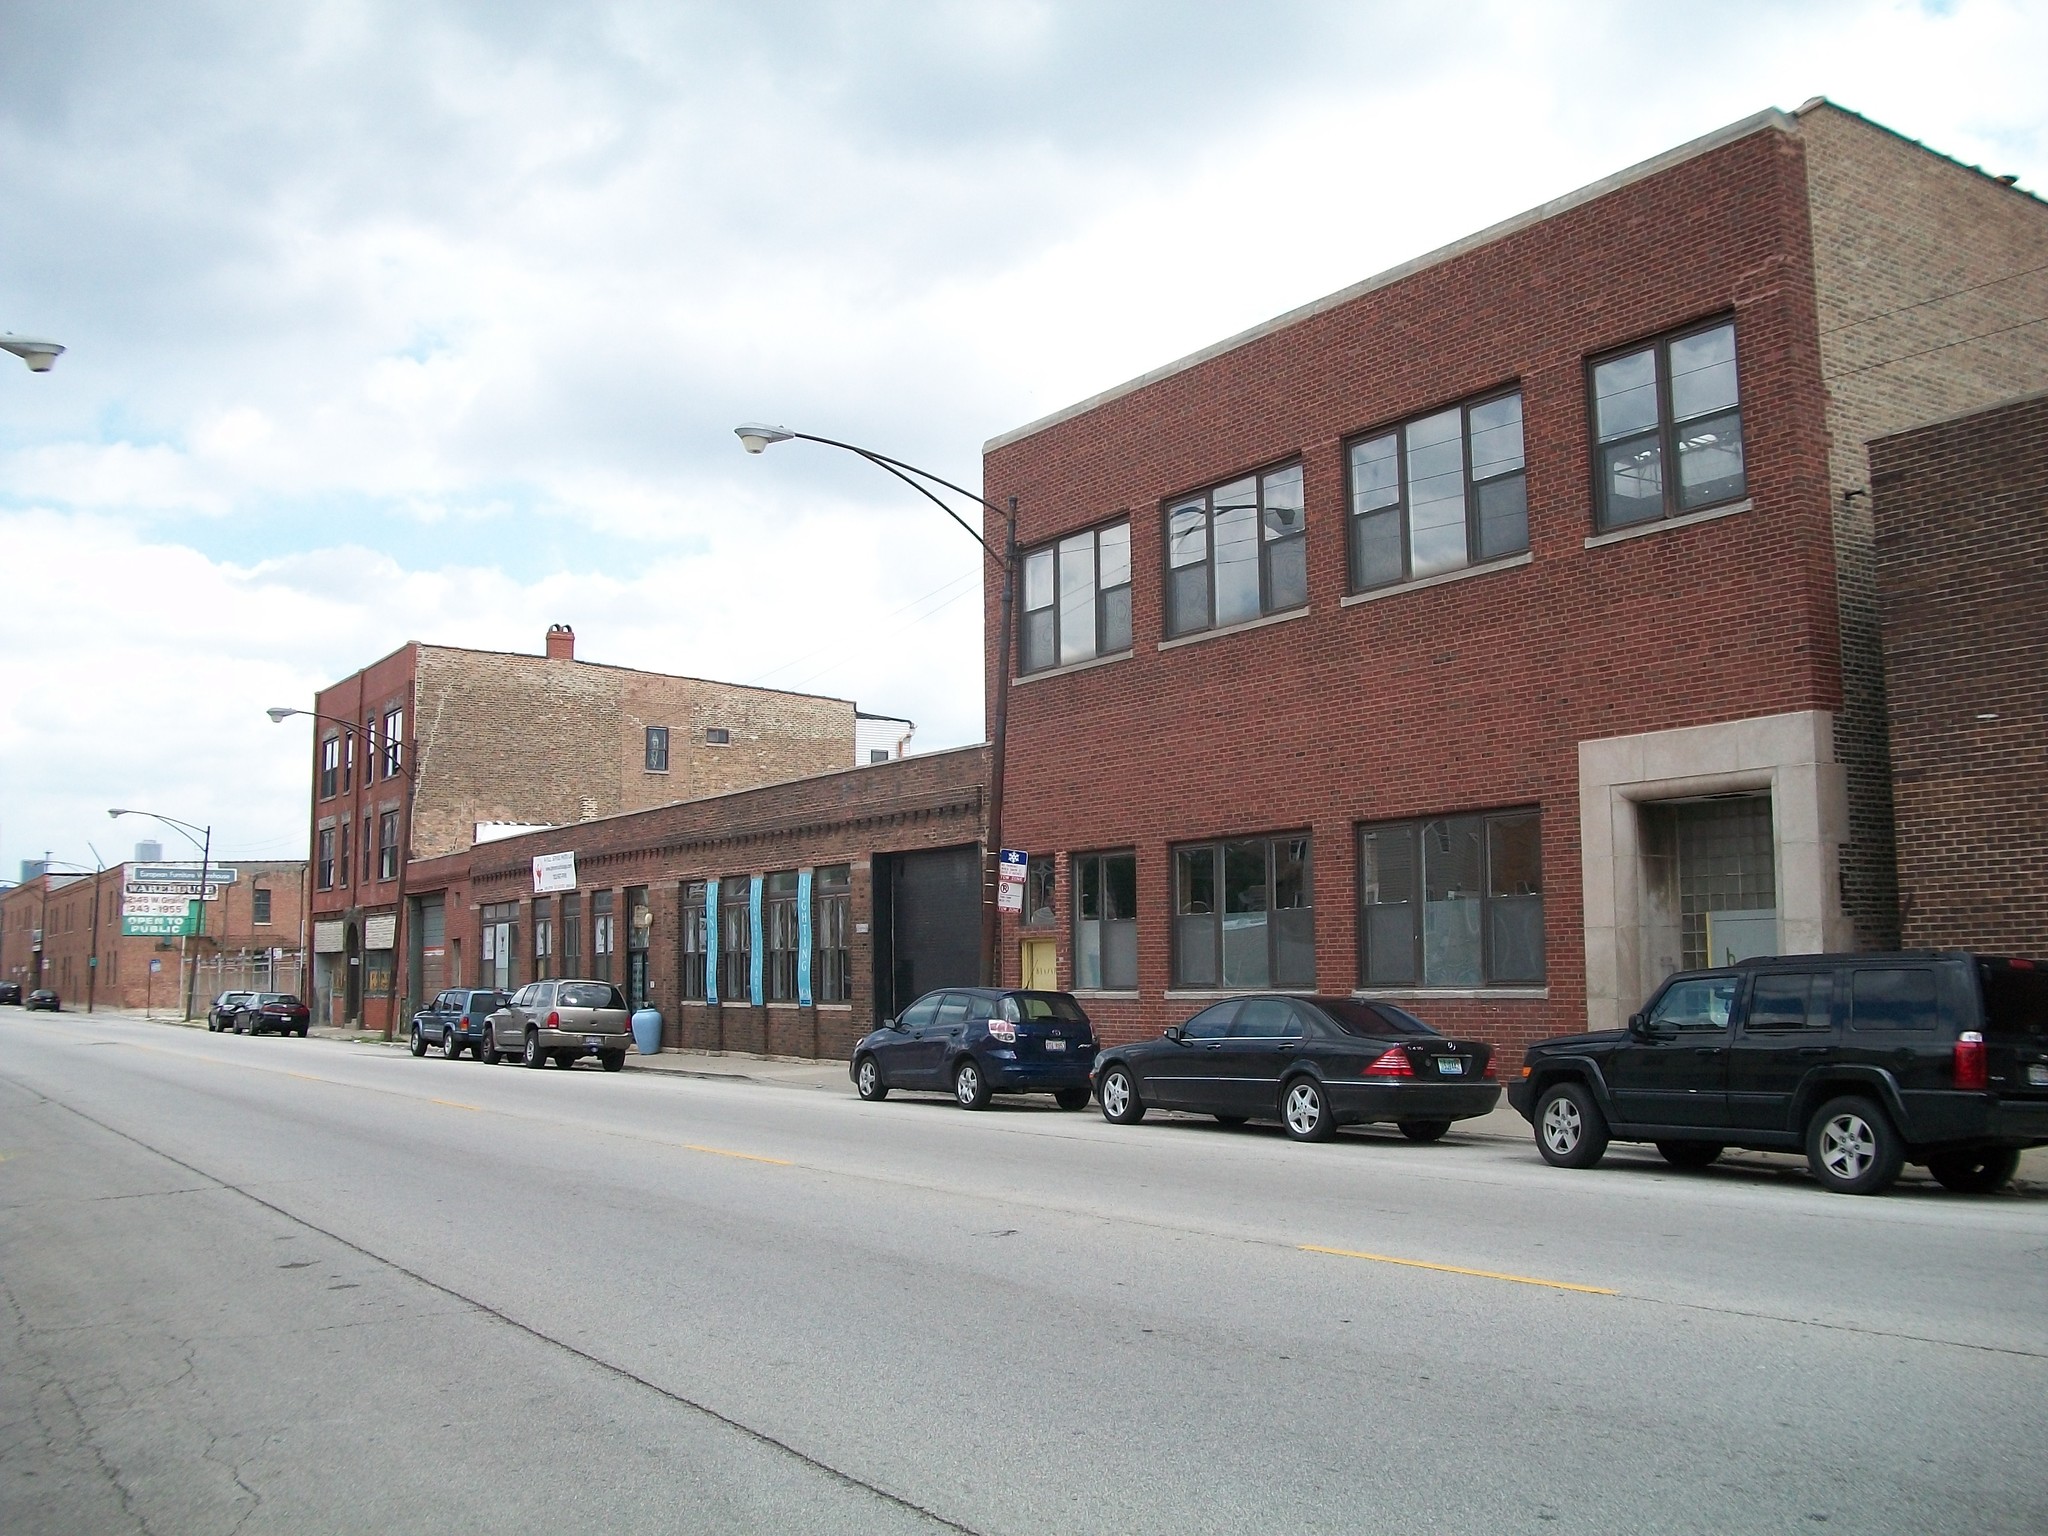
1470, 695
1914, 255
1961, 517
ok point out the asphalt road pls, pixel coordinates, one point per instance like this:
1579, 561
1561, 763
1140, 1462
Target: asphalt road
282, 1285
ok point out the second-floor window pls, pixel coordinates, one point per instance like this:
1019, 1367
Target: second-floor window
387, 846
1077, 599
1667, 419
341, 865
367, 848
1439, 493
330, 766
1236, 552
325, 872
657, 749
259, 907
779, 936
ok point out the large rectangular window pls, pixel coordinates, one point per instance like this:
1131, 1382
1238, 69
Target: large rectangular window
780, 937
735, 939
572, 934
368, 848
394, 741
330, 766
369, 750
696, 932
831, 904
324, 876
348, 761
341, 864
1439, 493
1243, 914
603, 935
1452, 902
1236, 552
1077, 599
657, 749
259, 907
387, 846
639, 929
1106, 921
1674, 402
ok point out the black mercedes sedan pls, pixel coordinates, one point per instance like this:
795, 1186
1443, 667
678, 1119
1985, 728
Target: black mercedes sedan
1312, 1063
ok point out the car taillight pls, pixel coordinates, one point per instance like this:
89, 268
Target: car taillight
1489, 1072
1971, 1072
1003, 1030
554, 1021
1392, 1062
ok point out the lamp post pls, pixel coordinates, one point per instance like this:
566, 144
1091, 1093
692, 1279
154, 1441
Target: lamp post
186, 829
37, 354
755, 437
401, 977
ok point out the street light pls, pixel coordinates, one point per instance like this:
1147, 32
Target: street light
205, 847
754, 437
401, 977
37, 354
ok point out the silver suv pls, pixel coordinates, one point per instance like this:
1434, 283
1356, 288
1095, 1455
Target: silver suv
560, 1021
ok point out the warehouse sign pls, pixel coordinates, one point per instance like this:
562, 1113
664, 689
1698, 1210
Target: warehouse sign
159, 917
179, 874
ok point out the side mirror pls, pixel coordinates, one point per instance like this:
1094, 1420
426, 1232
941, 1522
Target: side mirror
890, 1024
1173, 1033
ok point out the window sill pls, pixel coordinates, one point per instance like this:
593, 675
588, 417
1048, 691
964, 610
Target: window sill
1233, 629
662, 772
1464, 573
1454, 994
1111, 995
1684, 520
1073, 666
1218, 995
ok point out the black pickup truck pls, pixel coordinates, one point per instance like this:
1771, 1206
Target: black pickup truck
1865, 1062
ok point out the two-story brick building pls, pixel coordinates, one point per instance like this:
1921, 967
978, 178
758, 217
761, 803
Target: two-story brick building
452, 739
1499, 633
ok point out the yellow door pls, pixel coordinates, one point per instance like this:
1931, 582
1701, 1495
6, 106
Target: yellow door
1039, 965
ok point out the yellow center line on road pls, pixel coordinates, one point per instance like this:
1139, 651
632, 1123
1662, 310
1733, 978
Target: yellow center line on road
1455, 1269
745, 1157
456, 1104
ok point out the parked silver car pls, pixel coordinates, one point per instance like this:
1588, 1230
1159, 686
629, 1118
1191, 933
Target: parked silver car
560, 1021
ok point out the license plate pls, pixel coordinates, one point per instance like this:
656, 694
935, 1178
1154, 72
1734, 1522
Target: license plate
1055, 1044
2037, 1074
1449, 1066
593, 1042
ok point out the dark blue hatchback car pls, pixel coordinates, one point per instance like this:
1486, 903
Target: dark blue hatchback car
975, 1041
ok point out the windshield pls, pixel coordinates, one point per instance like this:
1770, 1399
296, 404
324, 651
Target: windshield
590, 994
1032, 1006
1372, 1020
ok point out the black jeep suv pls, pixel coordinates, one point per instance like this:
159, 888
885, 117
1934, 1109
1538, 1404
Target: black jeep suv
1865, 1062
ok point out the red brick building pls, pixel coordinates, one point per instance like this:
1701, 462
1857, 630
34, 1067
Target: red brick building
1961, 511
1499, 634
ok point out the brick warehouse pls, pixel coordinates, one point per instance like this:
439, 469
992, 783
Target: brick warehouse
453, 740
782, 920
1961, 512
1499, 634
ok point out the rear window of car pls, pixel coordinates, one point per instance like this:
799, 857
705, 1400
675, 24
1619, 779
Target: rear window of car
589, 994
278, 997
1372, 1020
2015, 1000
486, 1002
1032, 1006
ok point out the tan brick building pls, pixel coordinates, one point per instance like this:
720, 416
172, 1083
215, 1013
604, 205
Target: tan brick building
415, 752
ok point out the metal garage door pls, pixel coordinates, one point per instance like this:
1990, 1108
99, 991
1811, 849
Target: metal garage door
927, 924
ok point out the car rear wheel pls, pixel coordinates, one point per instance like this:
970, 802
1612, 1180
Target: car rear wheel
1689, 1154
241, 1025
867, 1080
1570, 1130
1072, 1098
1119, 1093
1852, 1149
533, 1056
1975, 1173
969, 1086
488, 1053
612, 1061
451, 1045
302, 1030
1305, 1110
419, 1040
1425, 1130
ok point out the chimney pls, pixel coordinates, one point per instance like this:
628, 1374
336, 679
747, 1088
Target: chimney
561, 643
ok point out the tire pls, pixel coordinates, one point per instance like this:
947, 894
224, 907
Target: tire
213, 1023
1119, 1094
240, 1026
1570, 1130
1852, 1149
1231, 1122
1072, 1098
488, 1053
867, 1080
533, 1056
418, 1040
451, 1046
1425, 1130
564, 1060
302, 1030
1689, 1154
1975, 1173
1305, 1110
612, 1061
970, 1086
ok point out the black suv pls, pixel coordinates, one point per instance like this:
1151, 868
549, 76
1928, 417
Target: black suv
1865, 1062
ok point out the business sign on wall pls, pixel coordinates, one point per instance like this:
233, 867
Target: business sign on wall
554, 872
160, 925
179, 874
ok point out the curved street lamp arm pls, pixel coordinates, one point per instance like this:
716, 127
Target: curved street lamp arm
185, 828
280, 713
903, 472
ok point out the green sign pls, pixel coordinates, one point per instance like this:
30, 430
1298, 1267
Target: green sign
161, 926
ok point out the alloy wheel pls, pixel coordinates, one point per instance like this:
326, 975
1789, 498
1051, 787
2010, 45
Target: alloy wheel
1116, 1095
1562, 1126
1848, 1146
1304, 1111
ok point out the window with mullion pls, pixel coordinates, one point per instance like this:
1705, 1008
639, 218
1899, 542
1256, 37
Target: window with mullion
779, 930
1243, 914
1105, 921
1453, 901
1077, 599
696, 933
1236, 553
1675, 401
831, 900
330, 765
735, 939
387, 846
1439, 493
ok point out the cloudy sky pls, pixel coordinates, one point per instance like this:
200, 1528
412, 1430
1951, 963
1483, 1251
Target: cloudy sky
423, 319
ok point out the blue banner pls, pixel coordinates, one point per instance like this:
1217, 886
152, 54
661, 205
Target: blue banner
710, 941
754, 955
803, 937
